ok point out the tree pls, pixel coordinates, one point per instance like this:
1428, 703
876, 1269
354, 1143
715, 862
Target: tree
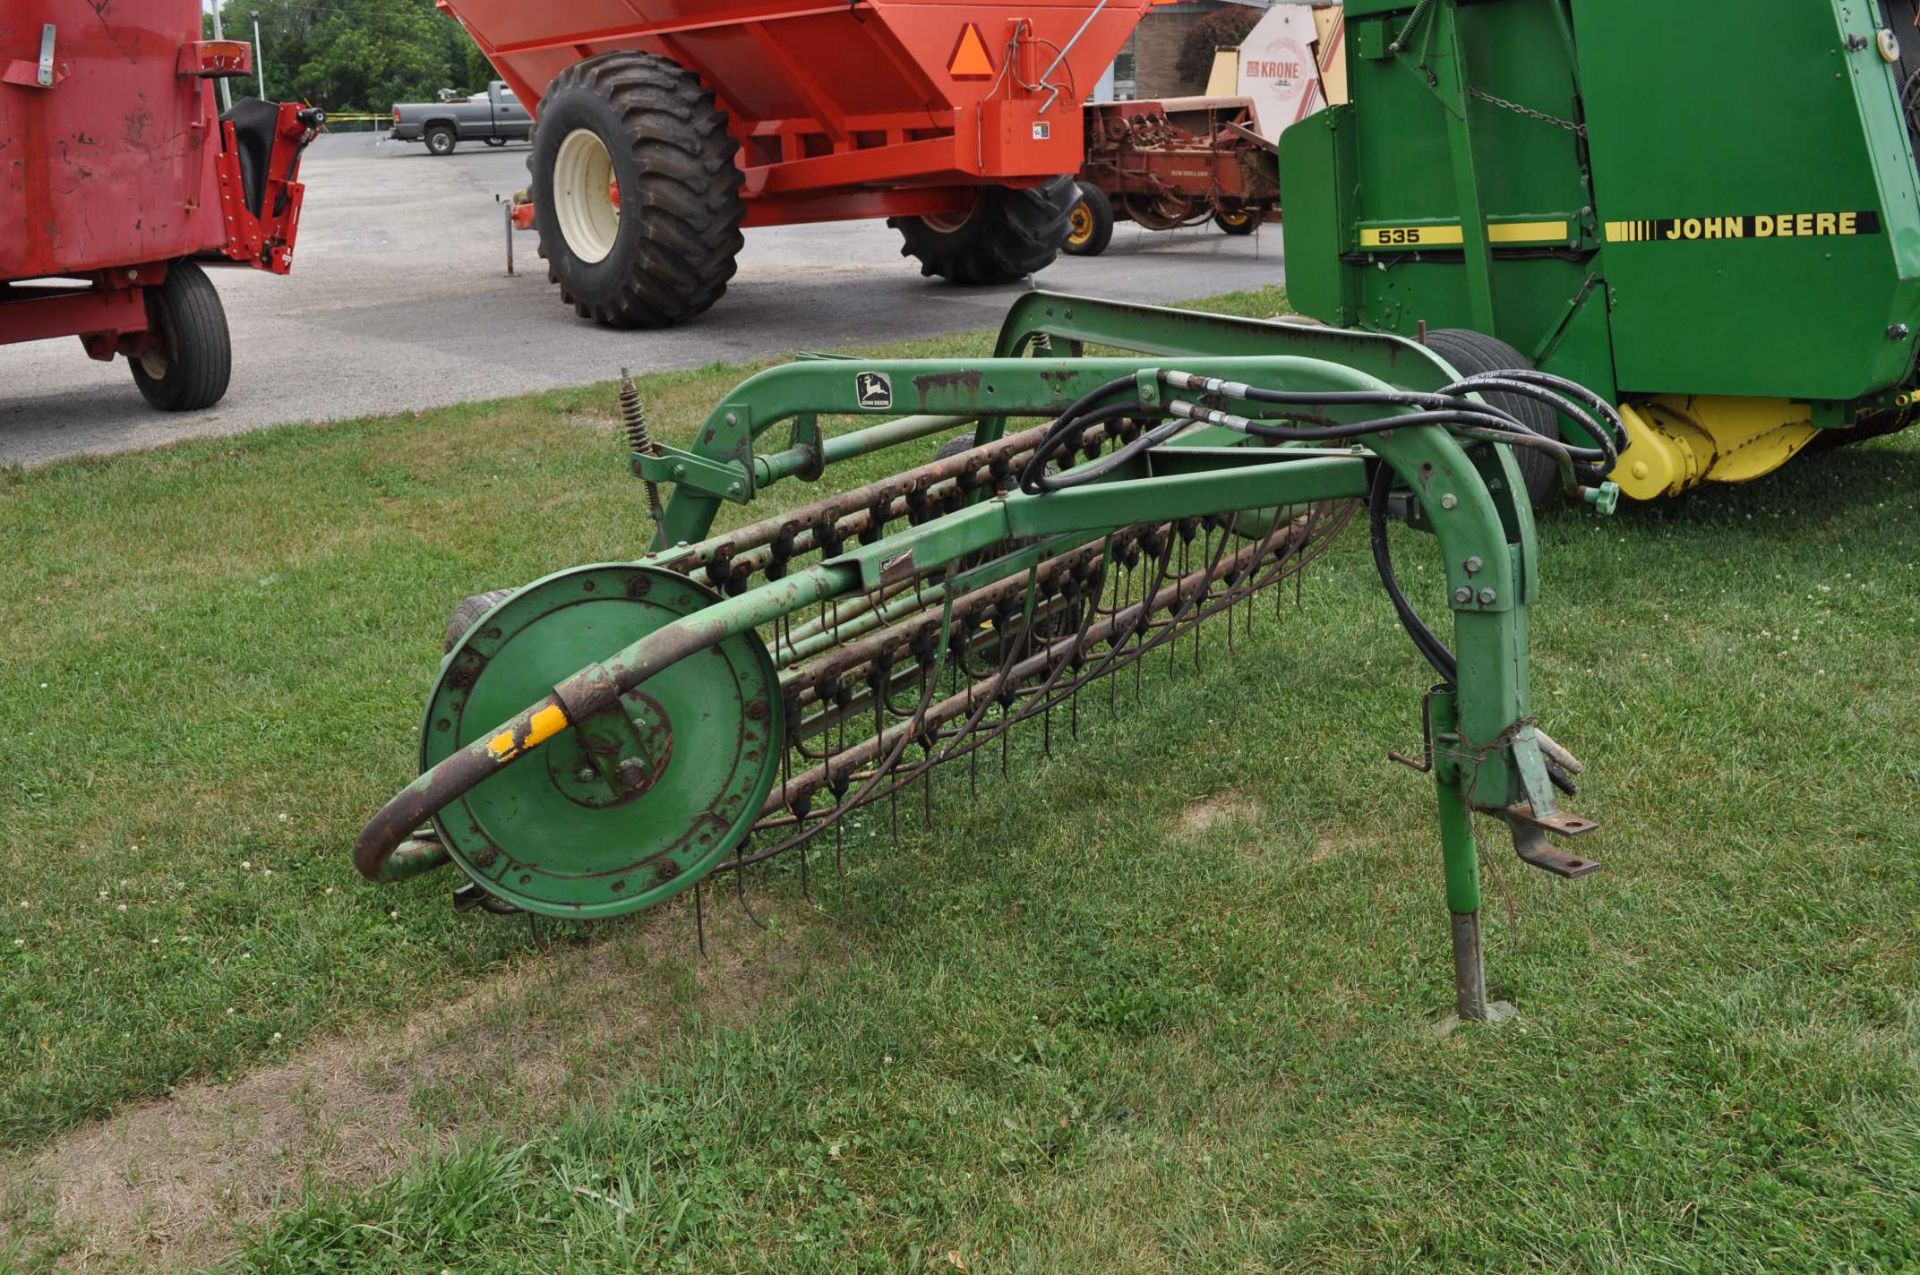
357, 53
1222, 30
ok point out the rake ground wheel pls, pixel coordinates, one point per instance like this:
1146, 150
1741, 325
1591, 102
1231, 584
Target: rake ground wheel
636, 191
1005, 236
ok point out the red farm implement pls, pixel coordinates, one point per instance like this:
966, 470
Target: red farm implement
665, 126
119, 177
1172, 163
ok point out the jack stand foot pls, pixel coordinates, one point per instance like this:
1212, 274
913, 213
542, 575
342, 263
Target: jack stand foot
1470, 979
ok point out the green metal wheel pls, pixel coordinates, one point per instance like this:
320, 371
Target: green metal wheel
629, 807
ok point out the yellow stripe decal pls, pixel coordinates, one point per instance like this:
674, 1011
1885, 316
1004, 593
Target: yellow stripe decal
541, 727
1528, 232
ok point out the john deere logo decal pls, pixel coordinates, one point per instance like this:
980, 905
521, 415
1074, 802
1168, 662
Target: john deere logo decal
874, 390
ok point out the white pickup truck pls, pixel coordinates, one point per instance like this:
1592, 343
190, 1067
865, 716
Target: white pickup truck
494, 117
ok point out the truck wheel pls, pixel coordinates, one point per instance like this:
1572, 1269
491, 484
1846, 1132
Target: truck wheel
1238, 221
636, 191
1472, 353
1090, 224
191, 359
1006, 235
496, 141
441, 139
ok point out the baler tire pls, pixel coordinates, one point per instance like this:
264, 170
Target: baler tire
1241, 221
441, 140
1089, 223
192, 362
1472, 353
1008, 235
955, 446
468, 613
672, 253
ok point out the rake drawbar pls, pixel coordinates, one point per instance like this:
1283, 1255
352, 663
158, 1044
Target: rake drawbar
614, 734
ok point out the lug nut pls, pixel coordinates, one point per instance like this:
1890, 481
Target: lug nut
1463, 595
1488, 597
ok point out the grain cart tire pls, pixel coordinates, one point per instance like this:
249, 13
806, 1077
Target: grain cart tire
1471, 353
1089, 224
468, 613
191, 361
1006, 235
441, 139
644, 125
1238, 221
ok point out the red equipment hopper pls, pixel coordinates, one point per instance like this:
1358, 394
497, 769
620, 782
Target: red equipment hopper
956, 120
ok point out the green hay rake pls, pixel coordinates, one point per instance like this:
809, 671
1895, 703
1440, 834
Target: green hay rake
607, 737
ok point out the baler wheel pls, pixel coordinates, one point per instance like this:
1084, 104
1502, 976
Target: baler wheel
1472, 353
661, 249
191, 361
1007, 235
1238, 221
1090, 224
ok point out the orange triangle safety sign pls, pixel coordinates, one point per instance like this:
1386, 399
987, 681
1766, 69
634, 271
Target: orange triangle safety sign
970, 60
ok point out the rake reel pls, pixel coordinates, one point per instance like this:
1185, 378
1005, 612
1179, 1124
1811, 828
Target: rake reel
611, 735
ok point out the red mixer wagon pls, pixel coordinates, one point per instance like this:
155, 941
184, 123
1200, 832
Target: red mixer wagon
120, 178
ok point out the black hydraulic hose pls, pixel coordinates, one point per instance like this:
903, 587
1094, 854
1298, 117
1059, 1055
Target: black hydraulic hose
1425, 640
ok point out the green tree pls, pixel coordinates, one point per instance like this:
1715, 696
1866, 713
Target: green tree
367, 54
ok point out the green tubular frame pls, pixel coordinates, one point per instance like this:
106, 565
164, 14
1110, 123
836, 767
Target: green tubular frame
1485, 753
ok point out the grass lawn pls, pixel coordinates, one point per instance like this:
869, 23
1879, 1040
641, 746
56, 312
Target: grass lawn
1162, 1000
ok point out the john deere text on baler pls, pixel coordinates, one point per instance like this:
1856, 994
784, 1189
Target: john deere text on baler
1709, 212
664, 126
613, 734
119, 177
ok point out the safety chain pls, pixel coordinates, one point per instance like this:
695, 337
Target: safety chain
1578, 130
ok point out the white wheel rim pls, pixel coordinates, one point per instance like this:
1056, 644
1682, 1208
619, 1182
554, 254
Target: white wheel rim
582, 202
948, 223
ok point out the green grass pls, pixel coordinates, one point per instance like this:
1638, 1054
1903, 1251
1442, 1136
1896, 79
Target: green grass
1063, 1029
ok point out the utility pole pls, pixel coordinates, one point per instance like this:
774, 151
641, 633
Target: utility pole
225, 90
259, 63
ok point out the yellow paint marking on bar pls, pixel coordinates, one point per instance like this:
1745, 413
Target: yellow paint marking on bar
546, 723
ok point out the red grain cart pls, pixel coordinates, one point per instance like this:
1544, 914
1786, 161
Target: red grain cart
119, 176
1170, 163
664, 126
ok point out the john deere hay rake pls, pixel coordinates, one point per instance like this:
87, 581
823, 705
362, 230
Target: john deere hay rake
604, 738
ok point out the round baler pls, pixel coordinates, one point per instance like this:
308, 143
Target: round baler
660, 135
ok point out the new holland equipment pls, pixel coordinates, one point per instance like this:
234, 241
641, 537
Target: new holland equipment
609, 736
1708, 212
664, 126
119, 178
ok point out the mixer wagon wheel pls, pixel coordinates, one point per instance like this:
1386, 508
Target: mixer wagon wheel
191, 355
636, 191
1006, 235
1090, 224
1472, 353
1238, 221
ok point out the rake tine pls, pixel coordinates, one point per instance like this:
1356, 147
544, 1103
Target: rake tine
740, 887
700, 919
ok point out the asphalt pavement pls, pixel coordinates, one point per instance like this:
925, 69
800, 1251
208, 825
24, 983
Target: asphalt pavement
399, 298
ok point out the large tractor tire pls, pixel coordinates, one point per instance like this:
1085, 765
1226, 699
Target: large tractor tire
1472, 353
1006, 235
191, 359
1089, 224
636, 191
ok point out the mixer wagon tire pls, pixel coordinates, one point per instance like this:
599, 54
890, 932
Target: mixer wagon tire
191, 361
468, 613
1471, 353
1090, 224
644, 126
441, 139
1006, 235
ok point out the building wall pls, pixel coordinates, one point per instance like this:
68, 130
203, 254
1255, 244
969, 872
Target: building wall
1147, 67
